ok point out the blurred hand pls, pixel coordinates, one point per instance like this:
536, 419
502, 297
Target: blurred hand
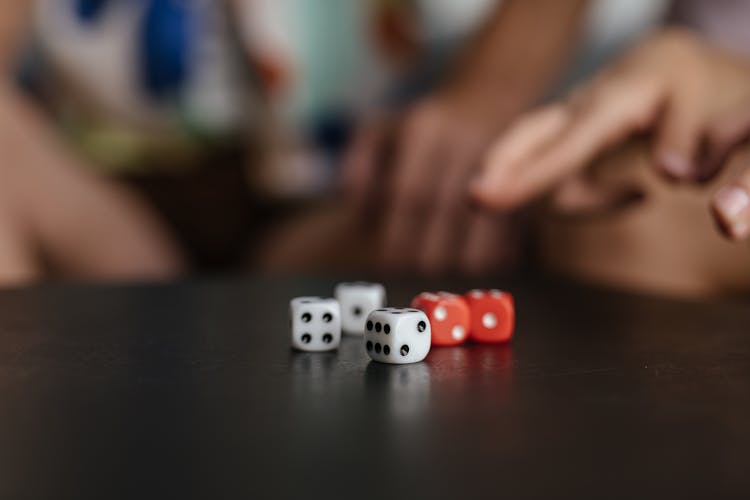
730, 205
437, 145
672, 86
436, 148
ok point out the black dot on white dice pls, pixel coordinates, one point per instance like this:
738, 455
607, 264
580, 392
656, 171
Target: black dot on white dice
316, 324
357, 300
397, 336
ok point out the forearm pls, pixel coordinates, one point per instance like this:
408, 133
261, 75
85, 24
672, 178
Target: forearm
523, 48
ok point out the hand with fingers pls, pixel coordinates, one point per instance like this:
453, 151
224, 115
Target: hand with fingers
426, 219
436, 146
674, 88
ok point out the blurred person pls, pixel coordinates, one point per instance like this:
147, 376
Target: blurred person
413, 153
689, 97
128, 138
129, 124
436, 143
124, 109
56, 216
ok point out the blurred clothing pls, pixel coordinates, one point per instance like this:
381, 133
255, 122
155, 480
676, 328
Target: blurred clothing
138, 84
157, 83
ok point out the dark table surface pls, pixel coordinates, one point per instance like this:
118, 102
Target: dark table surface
191, 390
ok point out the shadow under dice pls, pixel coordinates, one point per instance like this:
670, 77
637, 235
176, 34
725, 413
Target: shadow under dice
397, 336
357, 300
448, 314
316, 324
492, 315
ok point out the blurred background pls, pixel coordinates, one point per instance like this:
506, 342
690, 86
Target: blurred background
147, 139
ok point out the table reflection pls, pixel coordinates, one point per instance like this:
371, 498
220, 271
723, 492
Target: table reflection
402, 390
311, 374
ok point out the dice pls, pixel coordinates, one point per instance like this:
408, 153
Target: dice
492, 315
448, 314
316, 324
397, 336
357, 300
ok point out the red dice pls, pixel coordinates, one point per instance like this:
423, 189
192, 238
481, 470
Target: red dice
448, 314
492, 315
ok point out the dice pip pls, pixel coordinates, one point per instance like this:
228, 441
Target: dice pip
316, 324
357, 300
492, 315
397, 336
448, 314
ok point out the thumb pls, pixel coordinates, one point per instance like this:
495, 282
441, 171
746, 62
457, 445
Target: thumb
731, 207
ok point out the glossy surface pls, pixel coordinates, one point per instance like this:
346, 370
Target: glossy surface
192, 391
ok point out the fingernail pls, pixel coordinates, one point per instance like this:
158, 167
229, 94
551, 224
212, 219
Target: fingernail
675, 165
733, 202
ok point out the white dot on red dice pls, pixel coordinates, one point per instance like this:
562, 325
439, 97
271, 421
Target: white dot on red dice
440, 313
489, 320
458, 332
497, 293
477, 294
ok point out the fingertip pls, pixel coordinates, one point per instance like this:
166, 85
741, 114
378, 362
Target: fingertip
493, 199
675, 166
731, 210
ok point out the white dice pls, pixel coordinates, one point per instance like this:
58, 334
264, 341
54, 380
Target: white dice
397, 336
357, 300
316, 323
